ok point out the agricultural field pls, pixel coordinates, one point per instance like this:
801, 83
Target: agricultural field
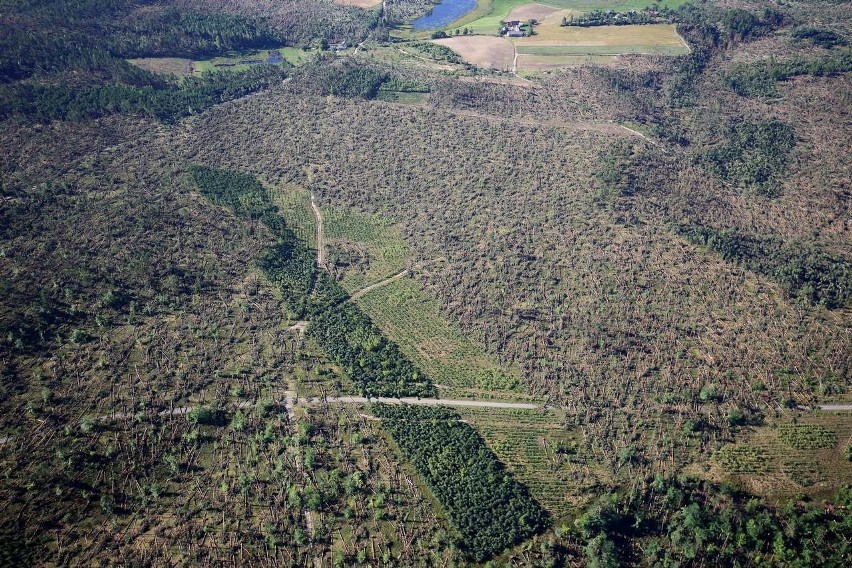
554, 46
484, 51
551, 39
413, 320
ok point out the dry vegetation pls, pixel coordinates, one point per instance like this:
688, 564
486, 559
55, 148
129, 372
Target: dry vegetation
531, 11
483, 51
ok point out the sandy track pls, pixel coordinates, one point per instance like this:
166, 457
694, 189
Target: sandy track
320, 243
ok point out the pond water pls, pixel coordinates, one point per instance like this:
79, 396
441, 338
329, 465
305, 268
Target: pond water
443, 14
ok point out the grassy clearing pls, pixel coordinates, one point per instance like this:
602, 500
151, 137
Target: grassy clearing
291, 55
540, 452
362, 250
359, 3
413, 320
484, 51
176, 66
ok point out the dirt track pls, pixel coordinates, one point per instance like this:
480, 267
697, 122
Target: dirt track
371, 287
320, 243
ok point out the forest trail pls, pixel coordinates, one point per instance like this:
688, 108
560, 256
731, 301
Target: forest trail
371, 287
420, 402
320, 243
291, 402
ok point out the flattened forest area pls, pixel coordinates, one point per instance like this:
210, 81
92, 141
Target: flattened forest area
228, 228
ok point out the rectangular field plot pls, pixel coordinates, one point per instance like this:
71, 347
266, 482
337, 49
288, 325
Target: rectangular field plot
413, 320
540, 452
551, 39
543, 62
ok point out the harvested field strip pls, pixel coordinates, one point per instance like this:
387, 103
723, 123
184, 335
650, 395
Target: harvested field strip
657, 38
484, 51
413, 320
567, 50
484, 502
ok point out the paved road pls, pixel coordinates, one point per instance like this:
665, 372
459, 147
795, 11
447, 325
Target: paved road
830, 407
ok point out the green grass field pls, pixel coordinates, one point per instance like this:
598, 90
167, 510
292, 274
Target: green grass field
574, 50
414, 321
486, 17
291, 55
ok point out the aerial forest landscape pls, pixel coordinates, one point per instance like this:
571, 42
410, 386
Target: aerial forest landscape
426, 283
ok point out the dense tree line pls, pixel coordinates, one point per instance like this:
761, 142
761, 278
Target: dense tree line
759, 80
348, 337
165, 102
488, 507
671, 522
86, 35
375, 365
823, 38
803, 271
754, 156
613, 18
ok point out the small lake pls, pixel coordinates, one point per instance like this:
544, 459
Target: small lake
443, 14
